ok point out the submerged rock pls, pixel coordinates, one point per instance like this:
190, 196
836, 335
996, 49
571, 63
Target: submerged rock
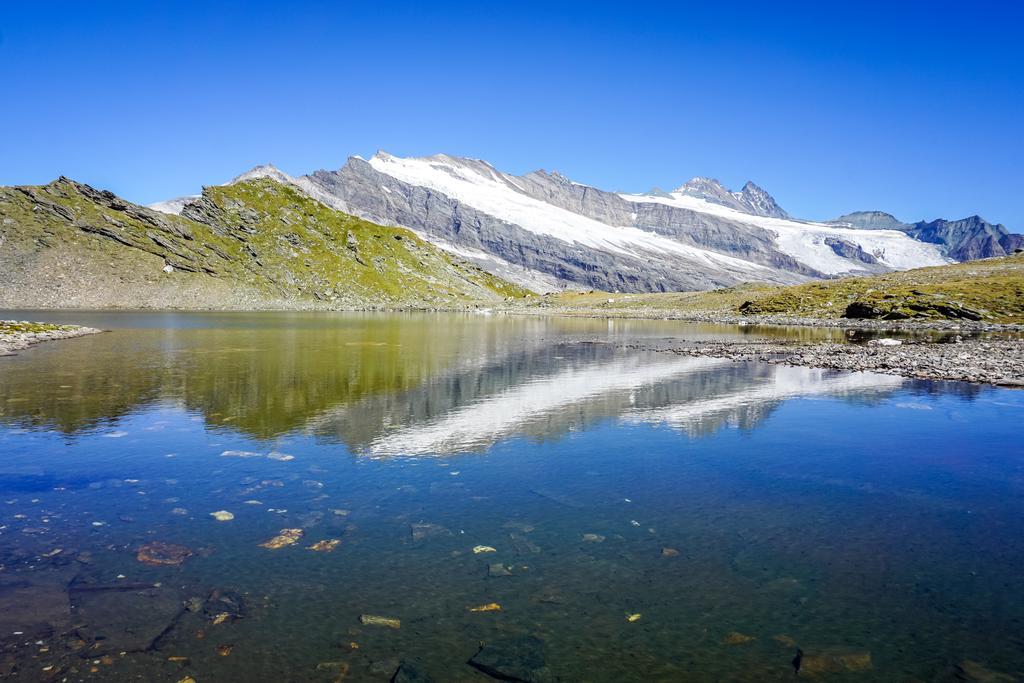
113, 620
410, 672
736, 638
423, 530
374, 620
285, 538
834, 660
223, 606
498, 569
325, 546
977, 673
157, 553
33, 605
280, 457
513, 659
523, 545
222, 516
338, 668
489, 607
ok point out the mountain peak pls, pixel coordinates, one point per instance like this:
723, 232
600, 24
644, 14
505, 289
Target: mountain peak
751, 199
262, 171
871, 220
759, 202
702, 185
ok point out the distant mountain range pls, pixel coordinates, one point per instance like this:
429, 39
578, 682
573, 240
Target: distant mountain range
963, 240
545, 232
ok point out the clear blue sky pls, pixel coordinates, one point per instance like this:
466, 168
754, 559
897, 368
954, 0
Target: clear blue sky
913, 108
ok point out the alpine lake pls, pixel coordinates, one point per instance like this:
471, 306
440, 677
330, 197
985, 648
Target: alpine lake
459, 497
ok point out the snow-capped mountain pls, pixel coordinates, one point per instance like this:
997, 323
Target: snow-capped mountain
545, 231
963, 240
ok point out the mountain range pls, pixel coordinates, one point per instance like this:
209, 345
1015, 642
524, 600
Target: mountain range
545, 232
435, 232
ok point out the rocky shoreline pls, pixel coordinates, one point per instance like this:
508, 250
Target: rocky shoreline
983, 361
17, 335
768, 320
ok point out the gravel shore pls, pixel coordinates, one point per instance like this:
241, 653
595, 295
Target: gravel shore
724, 318
12, 341
998, 362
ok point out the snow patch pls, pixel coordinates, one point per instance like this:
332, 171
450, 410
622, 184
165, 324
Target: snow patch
480, 186
806, 241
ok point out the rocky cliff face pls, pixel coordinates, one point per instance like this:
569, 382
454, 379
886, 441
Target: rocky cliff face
545, 231
535, 259
759, 202
962, 240
871, 220
969, 238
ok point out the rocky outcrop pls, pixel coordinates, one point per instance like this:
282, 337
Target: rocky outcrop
966, 239
871, 220
759, 202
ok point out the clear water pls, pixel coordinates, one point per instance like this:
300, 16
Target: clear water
741, 510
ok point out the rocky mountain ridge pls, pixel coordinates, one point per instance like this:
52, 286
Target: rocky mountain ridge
966, 239
253, 244
547, 232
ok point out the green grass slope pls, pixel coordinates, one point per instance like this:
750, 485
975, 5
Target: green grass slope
988, 290
252, 245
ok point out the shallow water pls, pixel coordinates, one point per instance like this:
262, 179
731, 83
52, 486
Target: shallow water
741, 510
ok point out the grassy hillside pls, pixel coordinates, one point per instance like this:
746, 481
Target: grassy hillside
252, 245
990, 290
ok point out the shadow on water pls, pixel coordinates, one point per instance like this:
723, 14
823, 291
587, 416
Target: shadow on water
470, 497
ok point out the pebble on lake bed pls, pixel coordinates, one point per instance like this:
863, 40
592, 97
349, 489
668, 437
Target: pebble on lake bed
736, 638
489, 607
373, 620
325, 546
285, 538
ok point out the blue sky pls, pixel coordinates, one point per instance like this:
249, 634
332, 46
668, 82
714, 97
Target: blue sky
913, 108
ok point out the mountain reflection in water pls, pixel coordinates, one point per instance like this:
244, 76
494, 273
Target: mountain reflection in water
391, 385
